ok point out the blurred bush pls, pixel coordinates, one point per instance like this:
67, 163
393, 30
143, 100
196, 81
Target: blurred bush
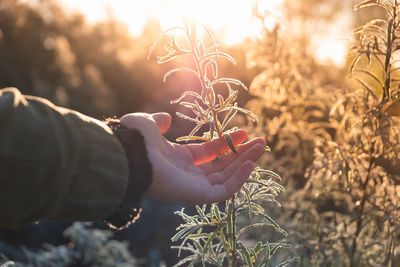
97, 69
334, 144
87, 247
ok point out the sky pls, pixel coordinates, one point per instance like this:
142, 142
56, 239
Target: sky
230, 18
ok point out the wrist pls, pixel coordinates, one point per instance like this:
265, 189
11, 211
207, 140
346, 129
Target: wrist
140, 175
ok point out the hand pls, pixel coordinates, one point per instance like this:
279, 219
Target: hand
185, 173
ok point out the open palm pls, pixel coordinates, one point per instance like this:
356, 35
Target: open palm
187, 173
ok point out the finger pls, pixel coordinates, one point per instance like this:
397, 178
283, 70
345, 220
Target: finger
224, 191
252, 154
138, 121
223, 162
163, 120
205, 152
147, 126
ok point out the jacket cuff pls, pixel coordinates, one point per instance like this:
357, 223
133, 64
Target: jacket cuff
140, 175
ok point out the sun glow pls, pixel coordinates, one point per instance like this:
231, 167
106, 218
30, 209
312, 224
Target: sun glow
232, 19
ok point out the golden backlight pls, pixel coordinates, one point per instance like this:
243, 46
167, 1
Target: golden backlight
231, 19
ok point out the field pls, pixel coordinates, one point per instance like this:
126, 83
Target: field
319, 80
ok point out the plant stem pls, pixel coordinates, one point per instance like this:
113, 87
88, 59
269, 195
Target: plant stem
233, 234
207, 88
362, 207
390, 40
204, 88
226, 247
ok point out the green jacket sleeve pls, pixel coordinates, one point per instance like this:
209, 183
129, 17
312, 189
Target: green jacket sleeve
56, 164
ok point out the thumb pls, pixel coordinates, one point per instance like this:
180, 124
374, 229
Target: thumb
163, 121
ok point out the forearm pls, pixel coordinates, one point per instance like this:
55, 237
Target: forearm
56, 164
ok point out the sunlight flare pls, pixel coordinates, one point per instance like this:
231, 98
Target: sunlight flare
232, 19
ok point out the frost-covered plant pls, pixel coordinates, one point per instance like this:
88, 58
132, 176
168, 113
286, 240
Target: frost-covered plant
87, 247
363, 159
214, 234
293, 105
355, 176
348, 212
376, 54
